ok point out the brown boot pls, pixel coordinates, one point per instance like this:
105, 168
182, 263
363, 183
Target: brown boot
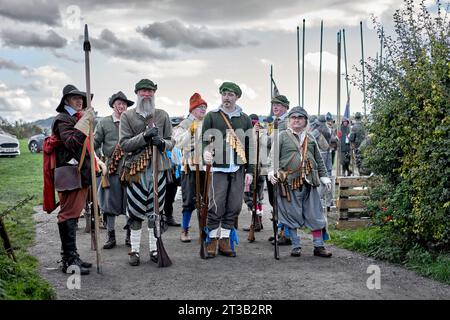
322, 252
184, 237
225, 248
211, 247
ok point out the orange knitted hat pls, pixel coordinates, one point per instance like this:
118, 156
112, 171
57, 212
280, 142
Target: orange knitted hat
195, 101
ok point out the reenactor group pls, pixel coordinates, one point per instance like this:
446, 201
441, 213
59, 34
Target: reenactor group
216, 153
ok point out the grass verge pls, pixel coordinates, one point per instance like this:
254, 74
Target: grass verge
21, 177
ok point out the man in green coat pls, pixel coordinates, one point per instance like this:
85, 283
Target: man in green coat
112, 197
300, 172
232, 130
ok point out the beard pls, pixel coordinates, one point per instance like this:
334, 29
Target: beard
144, 106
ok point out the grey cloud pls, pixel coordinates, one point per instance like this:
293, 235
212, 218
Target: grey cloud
40, 11
137, 49
11, 65
173, 34
17, 38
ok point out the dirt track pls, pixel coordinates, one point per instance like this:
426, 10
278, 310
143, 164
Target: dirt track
253, 274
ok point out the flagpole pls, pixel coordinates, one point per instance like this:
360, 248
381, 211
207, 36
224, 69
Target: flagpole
338, 167
345, 61
298, 64
320, 66
303, 66
271, 89
362, 65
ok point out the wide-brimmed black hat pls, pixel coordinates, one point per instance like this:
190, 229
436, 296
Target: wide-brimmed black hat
119, 96
71, 90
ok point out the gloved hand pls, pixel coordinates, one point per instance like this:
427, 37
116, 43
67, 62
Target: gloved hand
327, 182
149, 133
208, 157
248, 179
102, 167
159, 143
272, 178
85, 121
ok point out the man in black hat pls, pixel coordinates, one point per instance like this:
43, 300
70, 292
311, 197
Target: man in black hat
141, 128
112, 196
71, 130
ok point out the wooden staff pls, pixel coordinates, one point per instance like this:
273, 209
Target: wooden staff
87, 49
251, 233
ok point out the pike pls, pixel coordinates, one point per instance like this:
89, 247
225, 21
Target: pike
198, 196
251, 233
204, 210
163, 257
87, 49
275, 193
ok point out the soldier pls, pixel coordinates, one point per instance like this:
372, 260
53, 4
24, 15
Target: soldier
187, 136
112, 197
71, 148
230, 169
345, 146
357, 135
301, 171
280, 106
140, 128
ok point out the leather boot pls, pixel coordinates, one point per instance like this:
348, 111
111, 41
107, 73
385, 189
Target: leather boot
171, 221
322, 252
225, 248
184, 237
72, 245
211, 247
134, 259
70, 255
260, 222
127, 237
111, 243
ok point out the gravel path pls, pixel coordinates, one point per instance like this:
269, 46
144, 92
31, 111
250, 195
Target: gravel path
253, 274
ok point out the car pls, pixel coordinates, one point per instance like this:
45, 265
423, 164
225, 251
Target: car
35, 142
9, 145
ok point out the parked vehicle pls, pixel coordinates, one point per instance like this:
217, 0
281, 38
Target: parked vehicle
9, 145
35, 142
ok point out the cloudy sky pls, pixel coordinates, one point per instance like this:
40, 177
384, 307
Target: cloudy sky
185, 46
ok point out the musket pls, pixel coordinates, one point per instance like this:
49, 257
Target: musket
4, 234
204, 210
276, 156
251, 233
87, 49
163, 257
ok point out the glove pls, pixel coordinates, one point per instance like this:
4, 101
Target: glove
208, 157
102, 167
149, 133
85, 121
159, 143
327, 182
272, 178
248, 179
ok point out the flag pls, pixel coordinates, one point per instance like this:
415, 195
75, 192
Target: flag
347, 108
275, 91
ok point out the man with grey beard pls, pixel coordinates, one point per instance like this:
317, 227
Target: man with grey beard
141, 128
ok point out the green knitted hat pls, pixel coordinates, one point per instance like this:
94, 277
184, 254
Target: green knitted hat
145, 84
232, 87
281, 100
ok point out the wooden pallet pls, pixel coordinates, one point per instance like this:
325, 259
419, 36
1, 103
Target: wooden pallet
350, 202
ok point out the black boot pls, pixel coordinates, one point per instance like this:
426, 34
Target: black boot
72, 255
171, 221
128, 236
111, 243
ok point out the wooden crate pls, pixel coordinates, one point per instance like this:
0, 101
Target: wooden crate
350, 202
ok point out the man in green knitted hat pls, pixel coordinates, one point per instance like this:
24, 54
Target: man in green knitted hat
230, 168
141, 128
